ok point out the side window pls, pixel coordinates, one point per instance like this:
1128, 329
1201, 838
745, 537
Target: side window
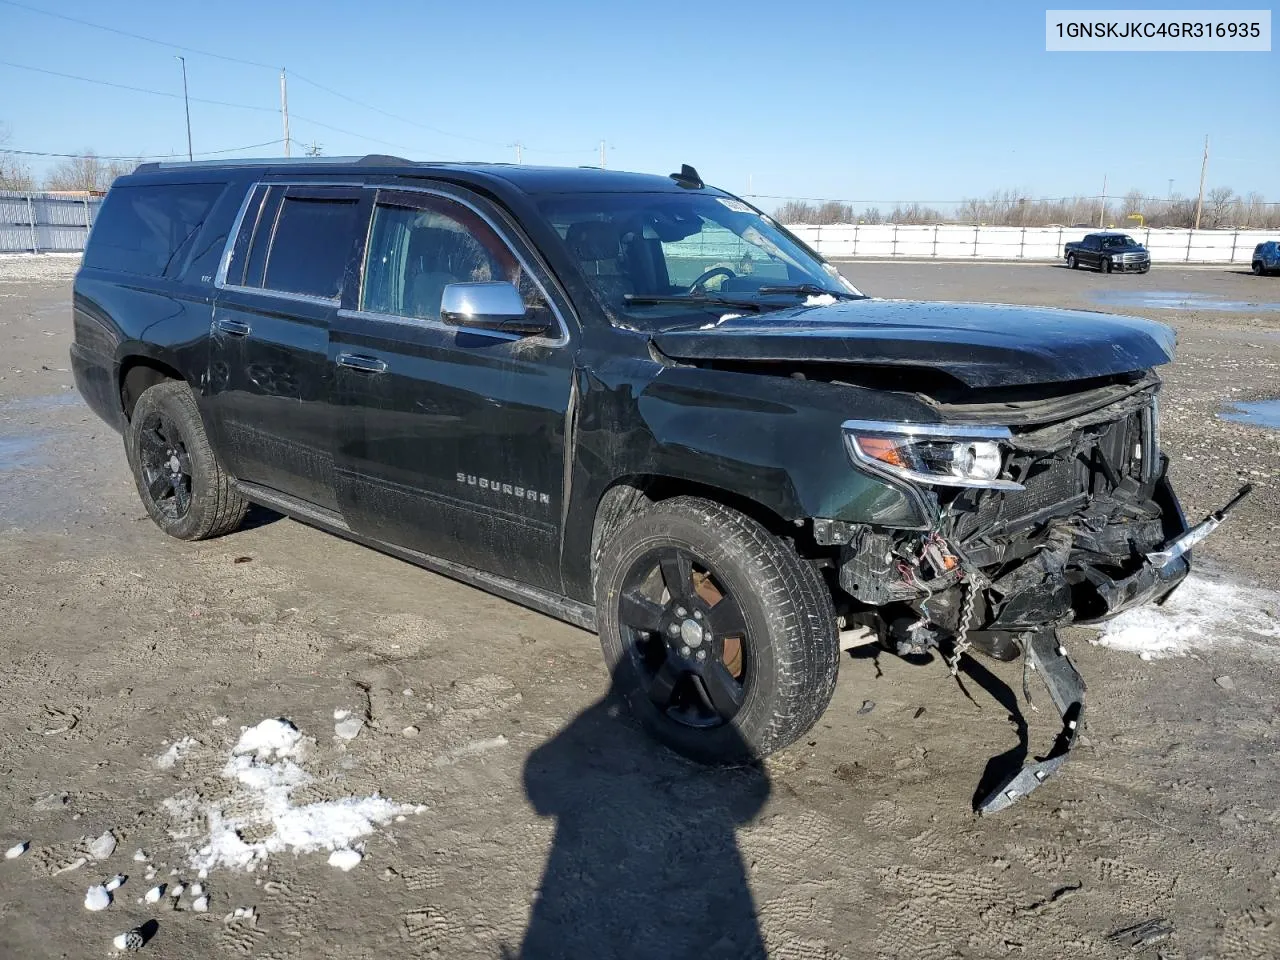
420, 244
143, 230
1092, 243
309, 246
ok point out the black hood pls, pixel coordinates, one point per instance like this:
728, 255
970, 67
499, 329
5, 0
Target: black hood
980, 344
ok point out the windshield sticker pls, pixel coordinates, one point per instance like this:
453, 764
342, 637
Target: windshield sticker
737, 206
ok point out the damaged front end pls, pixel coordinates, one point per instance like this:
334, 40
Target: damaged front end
1073, 521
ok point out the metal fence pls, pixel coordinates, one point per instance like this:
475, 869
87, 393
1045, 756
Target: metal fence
960, 242
45, 222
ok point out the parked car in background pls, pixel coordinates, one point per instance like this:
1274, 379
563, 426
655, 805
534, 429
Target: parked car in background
1266, 258
1107, 252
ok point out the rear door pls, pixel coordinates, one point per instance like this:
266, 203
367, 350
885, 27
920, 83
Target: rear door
451, 441
268, 371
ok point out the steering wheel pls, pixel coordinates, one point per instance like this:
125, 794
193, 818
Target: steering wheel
702, 281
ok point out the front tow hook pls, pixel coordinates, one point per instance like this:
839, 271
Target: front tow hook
1046, 655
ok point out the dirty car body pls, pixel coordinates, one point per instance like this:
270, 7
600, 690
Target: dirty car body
946, 476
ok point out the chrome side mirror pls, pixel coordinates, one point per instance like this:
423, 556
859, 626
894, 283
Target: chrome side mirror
492, 305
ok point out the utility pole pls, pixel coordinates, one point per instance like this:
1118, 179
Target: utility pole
1204, 168
284, 110
601, 154
1170, 194
748, 184
519, 151
1102, 207
187, 104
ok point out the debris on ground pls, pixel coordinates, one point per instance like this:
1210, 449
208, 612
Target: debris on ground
139, 856
103, 847
75, 864
411, 731
1143, 935
469, 750
200, 904
1225, 682
345, 860
867, 706
115, 883
131, 940
154, 894
348, 729
17, 850
176, 891
97, 898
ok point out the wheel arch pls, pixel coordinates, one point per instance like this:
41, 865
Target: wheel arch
629, 496
138, 373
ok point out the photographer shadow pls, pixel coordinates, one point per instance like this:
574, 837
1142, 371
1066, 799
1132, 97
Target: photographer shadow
645, 861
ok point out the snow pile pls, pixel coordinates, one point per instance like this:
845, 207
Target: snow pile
171, 756
1201, 613
264, 766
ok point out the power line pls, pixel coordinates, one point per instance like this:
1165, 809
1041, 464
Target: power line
137, 36
256, 63
1008, 203
154, 156
125, 86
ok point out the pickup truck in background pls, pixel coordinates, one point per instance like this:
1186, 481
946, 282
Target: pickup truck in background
1108, 252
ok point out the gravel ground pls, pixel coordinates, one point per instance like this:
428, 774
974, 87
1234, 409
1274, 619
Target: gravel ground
536, 823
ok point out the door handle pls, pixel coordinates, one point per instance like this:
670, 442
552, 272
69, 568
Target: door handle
237, 328
364, 364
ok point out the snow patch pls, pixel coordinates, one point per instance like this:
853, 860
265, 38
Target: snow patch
345, 860
171, 756
1202, 612
821, 300
723, 318
97, 898
265, 775
17, 850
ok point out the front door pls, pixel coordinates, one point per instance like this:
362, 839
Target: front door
269, 370
451, 440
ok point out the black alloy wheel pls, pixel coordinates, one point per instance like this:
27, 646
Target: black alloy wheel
687, 636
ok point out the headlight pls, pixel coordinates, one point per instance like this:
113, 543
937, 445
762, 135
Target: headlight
931, 453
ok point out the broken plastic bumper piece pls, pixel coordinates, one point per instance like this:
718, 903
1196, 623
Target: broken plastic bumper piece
1048, 658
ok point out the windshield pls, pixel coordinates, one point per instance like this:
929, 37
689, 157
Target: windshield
657, 258
1118, 242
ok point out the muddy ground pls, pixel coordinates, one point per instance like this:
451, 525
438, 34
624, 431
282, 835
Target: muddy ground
549, 827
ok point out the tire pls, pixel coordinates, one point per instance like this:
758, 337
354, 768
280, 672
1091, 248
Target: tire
1104, 265
1072, 262
1146, 269
782, 663
1258, 268
196, 501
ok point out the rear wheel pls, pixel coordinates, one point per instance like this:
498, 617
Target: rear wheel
181, 483
1071, 261
719, 637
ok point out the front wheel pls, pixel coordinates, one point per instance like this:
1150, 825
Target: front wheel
720, 638
180, 481
1104, 265
1258, 268
1071, 261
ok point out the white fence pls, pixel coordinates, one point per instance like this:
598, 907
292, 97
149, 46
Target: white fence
960, 242
44, 222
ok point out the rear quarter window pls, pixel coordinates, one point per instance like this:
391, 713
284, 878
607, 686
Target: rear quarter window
145, 229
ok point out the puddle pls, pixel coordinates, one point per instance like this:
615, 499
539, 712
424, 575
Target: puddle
50, 401
1178, 300
1259, 413
16, 452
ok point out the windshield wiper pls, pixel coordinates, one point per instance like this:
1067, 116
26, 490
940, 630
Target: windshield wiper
695, 299
811, 290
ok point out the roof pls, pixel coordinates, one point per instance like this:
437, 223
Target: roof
530, 179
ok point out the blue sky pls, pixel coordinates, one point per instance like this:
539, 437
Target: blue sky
848, 100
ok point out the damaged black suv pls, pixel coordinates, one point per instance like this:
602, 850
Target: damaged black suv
640, 405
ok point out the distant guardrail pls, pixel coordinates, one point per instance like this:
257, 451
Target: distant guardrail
45, 222
960, 242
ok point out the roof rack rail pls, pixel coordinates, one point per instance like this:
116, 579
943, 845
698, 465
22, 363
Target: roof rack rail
368, 160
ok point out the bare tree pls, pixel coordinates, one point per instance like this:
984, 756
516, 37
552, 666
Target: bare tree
86, 172
14, 174
1217, 207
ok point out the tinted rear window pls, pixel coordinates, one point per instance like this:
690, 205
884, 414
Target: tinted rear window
310, 246
143, 230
